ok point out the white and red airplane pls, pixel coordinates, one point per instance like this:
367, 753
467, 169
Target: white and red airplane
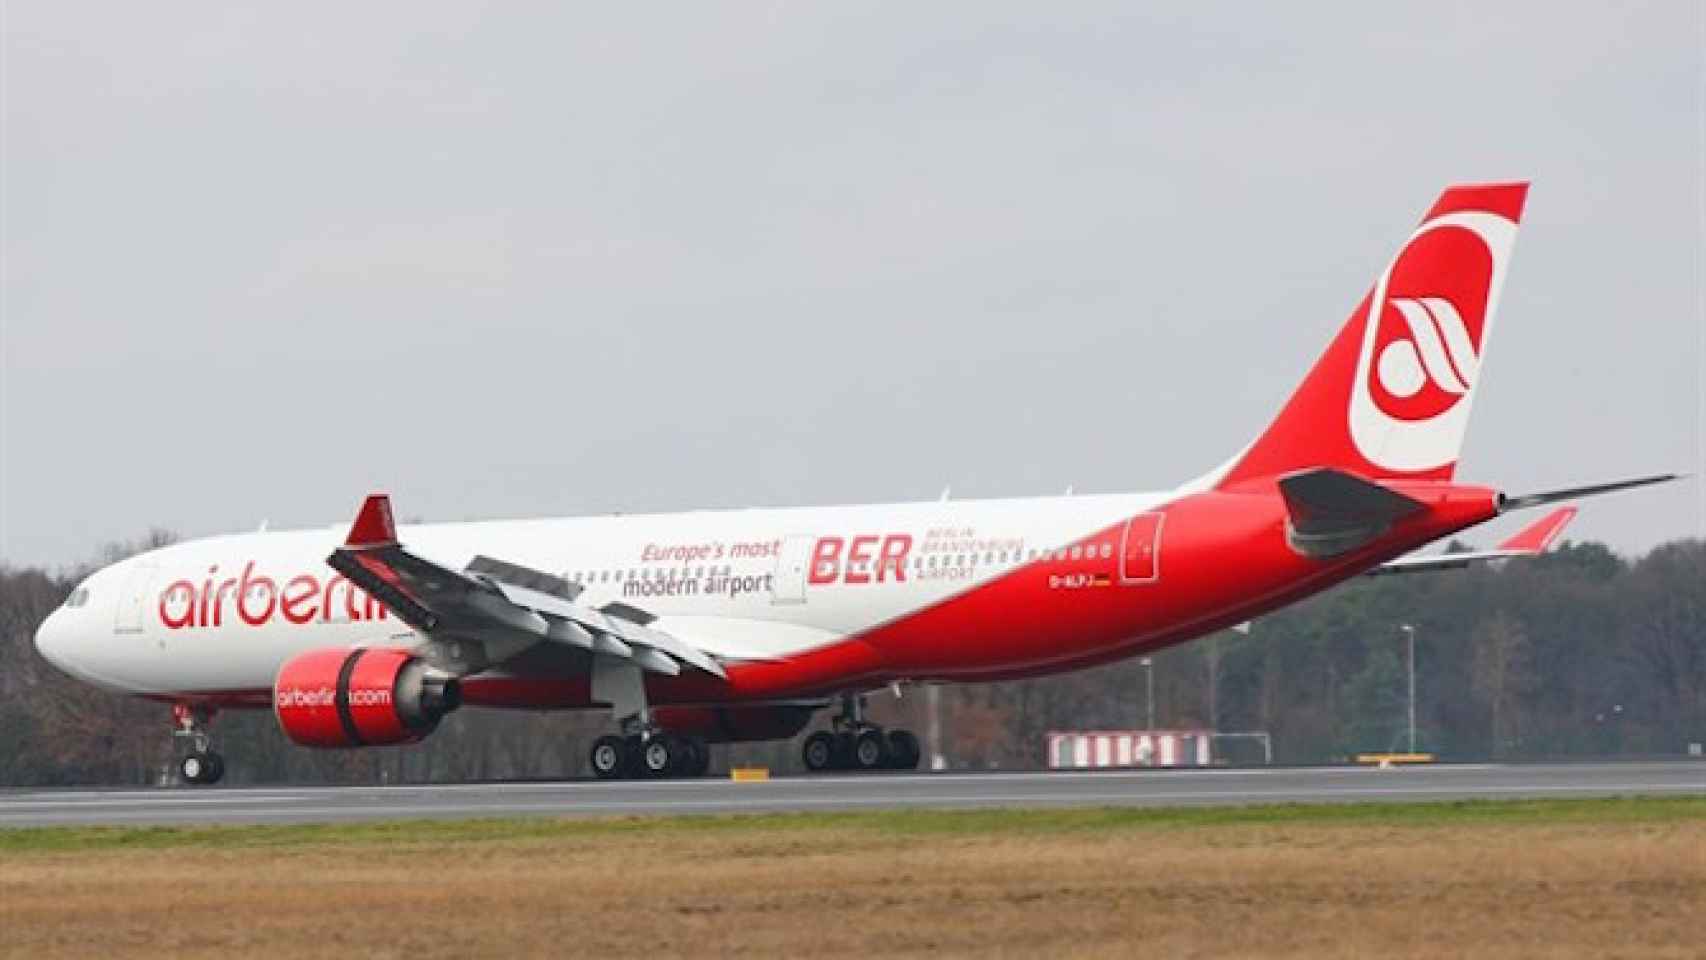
740, 625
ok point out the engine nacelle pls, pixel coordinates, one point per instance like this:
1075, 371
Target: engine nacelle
361, 697
734, 724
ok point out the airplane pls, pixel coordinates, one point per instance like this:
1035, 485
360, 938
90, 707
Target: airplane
729, 626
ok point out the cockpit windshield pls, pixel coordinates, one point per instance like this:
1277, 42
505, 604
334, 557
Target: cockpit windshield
78, 597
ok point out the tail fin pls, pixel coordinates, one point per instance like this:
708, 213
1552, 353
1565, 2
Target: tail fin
1390, 398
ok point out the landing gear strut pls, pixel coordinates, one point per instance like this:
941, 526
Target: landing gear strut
854, 743
200, 765
643, 749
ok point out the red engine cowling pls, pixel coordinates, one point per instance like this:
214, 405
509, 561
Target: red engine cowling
734, 724
361, 697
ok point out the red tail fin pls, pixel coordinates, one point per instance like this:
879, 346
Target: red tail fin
1391, 396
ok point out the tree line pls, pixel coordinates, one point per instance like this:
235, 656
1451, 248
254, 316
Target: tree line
1577, 653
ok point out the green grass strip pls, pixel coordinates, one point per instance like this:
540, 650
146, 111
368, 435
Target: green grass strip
948, 823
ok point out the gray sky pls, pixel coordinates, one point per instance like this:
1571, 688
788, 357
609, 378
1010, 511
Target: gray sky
582, 258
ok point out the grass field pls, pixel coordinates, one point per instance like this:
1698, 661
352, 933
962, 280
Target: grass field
1582, 878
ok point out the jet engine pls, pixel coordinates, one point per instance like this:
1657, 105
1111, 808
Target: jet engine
361, 697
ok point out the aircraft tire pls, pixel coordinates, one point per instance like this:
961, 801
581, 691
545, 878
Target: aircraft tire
200, 768
660, 756
609, 758
904, 750
698, 761
819, 752
870, 750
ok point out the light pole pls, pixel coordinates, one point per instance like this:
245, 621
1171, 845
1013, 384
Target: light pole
1149, 685
1410, 635
933, 696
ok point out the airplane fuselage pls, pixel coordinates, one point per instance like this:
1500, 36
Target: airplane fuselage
798, 602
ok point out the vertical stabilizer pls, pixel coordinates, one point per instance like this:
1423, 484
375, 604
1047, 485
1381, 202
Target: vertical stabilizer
1391, 396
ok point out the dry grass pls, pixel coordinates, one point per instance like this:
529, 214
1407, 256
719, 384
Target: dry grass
1093, 884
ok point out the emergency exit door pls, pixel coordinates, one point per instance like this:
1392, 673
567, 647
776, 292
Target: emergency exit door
1140, 559
133, 603
789, 583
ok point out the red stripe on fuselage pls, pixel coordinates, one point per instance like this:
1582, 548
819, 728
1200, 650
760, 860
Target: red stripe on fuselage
1223, 559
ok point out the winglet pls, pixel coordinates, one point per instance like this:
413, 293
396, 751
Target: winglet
373, 525
1537, 536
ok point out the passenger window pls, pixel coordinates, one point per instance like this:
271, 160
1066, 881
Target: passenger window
1077, 552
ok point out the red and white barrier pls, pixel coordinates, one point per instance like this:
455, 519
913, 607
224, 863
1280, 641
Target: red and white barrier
1087, 749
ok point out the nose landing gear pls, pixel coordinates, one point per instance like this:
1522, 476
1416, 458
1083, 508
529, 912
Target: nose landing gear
200, 766
854, 743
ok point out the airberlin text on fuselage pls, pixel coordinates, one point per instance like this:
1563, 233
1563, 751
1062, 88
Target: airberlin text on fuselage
255, 600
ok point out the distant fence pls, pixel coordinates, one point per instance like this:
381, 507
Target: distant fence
1073, 749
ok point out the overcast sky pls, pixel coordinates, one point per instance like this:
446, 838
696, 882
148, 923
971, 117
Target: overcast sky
260, 261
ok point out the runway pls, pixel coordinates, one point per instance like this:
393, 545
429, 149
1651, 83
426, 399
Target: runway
1132, 788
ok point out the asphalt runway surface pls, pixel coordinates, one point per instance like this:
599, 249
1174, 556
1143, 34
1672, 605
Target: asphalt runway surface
1128, 788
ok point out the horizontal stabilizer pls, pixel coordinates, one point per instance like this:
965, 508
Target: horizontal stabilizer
1553, 496
1530, 541
1537, 536
1334, 512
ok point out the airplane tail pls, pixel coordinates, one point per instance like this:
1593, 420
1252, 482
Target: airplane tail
1390, 398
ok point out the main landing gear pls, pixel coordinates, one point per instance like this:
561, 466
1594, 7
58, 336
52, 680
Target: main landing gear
855, 743
648, 754
200, 766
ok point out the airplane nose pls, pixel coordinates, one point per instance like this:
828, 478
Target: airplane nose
51, 640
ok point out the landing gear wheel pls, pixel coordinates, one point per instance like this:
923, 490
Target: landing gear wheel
609, 758
870, 750
660, 756
201, 768
904, 751
843, 750
698, 759
819, 751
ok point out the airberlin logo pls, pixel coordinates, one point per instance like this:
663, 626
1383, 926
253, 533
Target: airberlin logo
1421, 352
1428, 339
1423, 375
321, 697
256, 599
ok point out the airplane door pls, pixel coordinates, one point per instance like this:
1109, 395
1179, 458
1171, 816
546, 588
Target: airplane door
133, 603
789, 583
1140, 558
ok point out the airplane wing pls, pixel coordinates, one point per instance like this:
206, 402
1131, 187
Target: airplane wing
492, 610
1530, 541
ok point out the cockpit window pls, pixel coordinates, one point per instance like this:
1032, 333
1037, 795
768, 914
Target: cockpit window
78, 597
